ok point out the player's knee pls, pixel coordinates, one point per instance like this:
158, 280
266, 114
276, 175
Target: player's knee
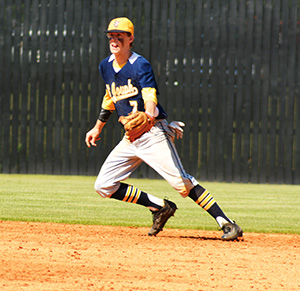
184, 186
105, 189
101, 189
184, 192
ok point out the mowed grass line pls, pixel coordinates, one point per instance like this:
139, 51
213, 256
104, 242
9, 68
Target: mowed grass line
72, 199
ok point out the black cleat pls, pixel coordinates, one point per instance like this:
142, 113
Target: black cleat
231, 231
160, 217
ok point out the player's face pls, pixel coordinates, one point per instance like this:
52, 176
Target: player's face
119, 42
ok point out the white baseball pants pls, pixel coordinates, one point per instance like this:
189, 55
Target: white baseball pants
156, 149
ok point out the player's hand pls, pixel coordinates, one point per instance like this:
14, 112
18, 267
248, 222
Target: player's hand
92, 136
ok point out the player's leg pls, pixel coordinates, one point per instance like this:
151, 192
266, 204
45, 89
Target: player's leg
167, 163
204, 199
118, 166
120, 163
131, 194
161, 209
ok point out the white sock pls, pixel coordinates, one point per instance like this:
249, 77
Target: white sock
156, 200
221, 221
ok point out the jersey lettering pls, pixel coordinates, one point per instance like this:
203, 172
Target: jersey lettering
126, 86
134, 104
121, 92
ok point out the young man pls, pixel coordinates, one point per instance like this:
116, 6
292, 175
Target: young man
131, 87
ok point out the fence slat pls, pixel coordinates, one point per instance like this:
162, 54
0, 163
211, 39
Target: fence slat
290, 93
282, 92
2, 95
297, 125
32, 159
215, 51
162, 70
41, 93
75, 161
179, 75
57, 167
245, 159
16, 78
256, 92
9, 90
196, 94
264, 98
205, 37
24, 88
229, 103
50, 87
273, 90
296, 163
7, 33
238, 113
67, 88
188, 91
221, 94
171, 61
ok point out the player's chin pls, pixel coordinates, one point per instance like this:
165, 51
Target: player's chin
114, 49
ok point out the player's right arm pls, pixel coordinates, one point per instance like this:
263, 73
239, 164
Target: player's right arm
106, 110
93, 135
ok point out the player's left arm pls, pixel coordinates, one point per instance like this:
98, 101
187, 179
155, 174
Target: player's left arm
150, 100
150, 107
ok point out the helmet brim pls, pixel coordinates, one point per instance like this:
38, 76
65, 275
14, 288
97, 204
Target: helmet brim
116, 31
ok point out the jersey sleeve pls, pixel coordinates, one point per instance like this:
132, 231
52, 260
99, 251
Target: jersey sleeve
149, 94
146, 76
107, 103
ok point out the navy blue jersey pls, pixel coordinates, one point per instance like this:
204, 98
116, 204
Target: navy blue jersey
125, 86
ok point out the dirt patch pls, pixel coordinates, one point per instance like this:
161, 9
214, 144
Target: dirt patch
47, 256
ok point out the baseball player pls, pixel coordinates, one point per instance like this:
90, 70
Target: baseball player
131, 91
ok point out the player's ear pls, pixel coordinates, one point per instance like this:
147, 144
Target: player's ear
131, 38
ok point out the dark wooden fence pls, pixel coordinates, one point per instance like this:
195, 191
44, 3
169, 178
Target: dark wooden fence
230, 69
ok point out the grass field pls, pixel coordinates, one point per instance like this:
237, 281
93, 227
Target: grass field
72, 199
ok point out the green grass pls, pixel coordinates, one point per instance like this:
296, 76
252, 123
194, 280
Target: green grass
72, 199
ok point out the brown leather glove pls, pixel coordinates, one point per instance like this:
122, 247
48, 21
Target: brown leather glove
136, 124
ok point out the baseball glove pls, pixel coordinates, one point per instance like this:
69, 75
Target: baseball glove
136, 124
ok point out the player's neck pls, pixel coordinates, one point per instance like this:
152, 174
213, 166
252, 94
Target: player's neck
122, 58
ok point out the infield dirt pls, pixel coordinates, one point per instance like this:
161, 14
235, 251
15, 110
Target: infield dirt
56, 257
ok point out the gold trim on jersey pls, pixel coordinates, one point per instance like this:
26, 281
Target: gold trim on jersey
149, 94
107, 103
121, 92
118, 67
